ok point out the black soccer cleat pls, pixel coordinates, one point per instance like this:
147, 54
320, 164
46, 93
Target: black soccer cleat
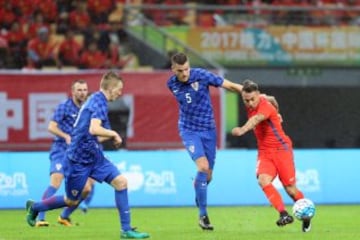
306, 225
205, 224
284, 219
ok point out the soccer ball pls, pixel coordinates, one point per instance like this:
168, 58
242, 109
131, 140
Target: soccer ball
304, 209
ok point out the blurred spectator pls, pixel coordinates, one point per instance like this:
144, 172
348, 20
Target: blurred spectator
99, 10
41, 51
17, 41
119, 58
165, 17
4, 52
175, 16
205, 19
37, 23
353, 17
291, 17
48, 8
79, 19
7, 15
24, 9
69, 50
326, 16
92, 34
62, 21
92, 57
114, 34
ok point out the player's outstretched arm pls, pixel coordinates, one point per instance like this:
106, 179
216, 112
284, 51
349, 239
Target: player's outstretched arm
231, 86
249, 125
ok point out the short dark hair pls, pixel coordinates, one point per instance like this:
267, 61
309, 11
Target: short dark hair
250, 86
81, 81
179, 58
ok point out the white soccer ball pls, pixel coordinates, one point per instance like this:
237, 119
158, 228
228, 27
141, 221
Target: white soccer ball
304, 209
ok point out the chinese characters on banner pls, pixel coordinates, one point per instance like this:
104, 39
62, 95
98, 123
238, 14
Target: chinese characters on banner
27, 102
278, 45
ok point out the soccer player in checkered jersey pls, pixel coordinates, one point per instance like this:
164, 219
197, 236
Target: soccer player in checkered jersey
190, 87
85, 158
60, 125
275, 152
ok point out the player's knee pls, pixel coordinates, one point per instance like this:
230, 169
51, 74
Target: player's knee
119, 183
291, 190
264, 180
85, 192
202, 164
71, 203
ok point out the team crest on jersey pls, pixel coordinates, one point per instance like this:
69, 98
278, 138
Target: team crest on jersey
192, 148
58, 166
195, 86
74, 192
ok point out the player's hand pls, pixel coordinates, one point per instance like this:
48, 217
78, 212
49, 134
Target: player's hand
237, 131
117, 141
67, 139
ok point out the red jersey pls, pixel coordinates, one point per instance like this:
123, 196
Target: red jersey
70, 49
269, 133
79, 20
92, 59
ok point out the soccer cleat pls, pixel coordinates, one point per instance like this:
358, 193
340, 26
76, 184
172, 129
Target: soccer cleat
64, 221
284, 219
42, 223
306, 225
205, 224
132, 234
31, 214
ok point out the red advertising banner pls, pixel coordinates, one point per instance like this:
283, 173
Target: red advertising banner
27, 101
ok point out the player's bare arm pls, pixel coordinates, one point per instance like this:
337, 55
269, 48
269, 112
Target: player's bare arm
231, 86
54, 129
103, 139
249, 125
97, 130
272, 100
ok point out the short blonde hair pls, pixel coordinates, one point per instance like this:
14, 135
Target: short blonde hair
109, 79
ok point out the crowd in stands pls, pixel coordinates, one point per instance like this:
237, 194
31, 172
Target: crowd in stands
81, 34
243, 12
89, 33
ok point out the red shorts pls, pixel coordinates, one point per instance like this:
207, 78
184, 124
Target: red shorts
277, 162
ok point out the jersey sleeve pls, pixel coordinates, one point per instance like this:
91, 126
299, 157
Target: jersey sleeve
210, 77
59, 113
99, 110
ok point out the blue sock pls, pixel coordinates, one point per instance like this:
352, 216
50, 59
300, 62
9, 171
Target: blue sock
122, 204
49, 204
89, 197
67, 211
201, 192
50, 191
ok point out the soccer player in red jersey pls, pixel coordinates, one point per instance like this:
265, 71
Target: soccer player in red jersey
275, 153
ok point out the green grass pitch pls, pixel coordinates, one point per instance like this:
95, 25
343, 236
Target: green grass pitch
231, 223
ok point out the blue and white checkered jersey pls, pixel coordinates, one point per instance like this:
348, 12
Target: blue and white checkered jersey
85, 147
65, 115
195, 109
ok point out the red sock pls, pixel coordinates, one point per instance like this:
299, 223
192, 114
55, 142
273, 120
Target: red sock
274, 197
